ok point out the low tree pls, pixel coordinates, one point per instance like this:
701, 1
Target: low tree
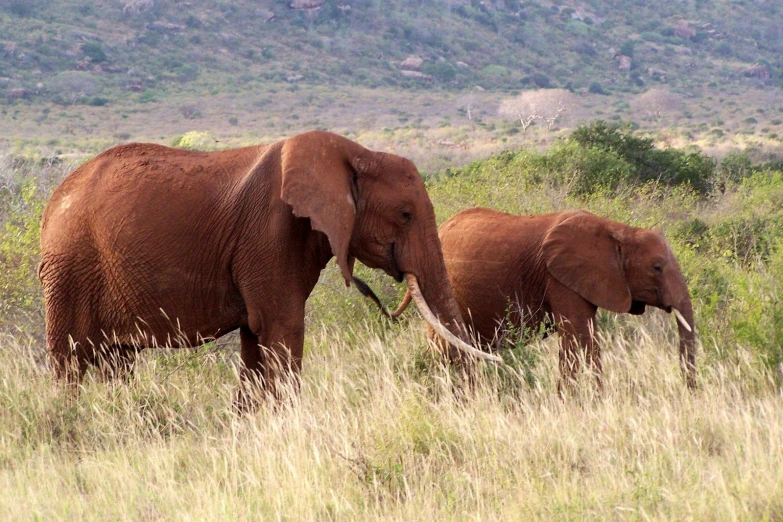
655, 103
542, 104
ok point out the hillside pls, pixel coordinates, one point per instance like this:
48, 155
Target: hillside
69, 51
428, 80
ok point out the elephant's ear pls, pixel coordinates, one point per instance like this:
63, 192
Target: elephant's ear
319, 183
583, 253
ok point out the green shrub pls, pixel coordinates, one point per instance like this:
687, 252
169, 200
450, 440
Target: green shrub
757, 310
582, 169
735, 167
539, 79
440, 70
194, 140
18, 250
22, 8
94, 51
627, 48
724, 49
22, 200
98, 101
596, 88
669, 166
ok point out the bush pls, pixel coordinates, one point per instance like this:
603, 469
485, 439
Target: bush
193, 140
734, 167
94, 51
22, 7
98, 101
539, 79
18, 247
669, 166
440, 70
23, 195
724, 49
596, 88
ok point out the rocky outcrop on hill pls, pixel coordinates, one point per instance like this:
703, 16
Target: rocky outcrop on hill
623, 62
138, 6
759, 71
416, 74
307, 4
411, 63
683, 30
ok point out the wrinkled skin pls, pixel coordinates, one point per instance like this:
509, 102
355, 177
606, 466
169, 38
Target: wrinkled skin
560, 268
147, 245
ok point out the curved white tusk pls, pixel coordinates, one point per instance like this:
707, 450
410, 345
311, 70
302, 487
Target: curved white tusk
441, 330
681, 319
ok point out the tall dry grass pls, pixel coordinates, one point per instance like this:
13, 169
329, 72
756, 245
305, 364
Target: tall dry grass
377, 433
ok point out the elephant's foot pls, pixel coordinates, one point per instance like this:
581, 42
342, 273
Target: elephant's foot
254, 391
245, 401
116, 364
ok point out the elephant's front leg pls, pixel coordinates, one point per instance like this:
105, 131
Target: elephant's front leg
577, 337
575, 320
271, 362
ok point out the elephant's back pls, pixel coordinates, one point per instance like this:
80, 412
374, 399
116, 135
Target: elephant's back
494, 263
141, 179
478, 229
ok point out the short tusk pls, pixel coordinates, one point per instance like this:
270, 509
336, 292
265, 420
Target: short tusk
681, 319
403, 305
415, 291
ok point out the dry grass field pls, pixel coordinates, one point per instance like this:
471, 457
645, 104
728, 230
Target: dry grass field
376, 433
379, 429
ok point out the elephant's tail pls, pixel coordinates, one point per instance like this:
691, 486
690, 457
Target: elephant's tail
367, 292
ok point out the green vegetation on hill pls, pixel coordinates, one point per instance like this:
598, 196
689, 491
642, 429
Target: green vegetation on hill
69, 51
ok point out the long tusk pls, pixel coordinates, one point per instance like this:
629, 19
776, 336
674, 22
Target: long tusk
681, 319
415, 291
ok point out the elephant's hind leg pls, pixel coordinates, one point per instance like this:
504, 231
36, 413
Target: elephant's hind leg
65, 347
116, 362
68, 366
68, 321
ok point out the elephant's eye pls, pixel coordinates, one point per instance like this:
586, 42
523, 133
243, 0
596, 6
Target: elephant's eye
658, 268
407, 216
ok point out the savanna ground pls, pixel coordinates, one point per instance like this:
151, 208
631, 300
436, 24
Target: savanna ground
377, 432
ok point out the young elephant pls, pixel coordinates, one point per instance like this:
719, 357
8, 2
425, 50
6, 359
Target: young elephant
561, 268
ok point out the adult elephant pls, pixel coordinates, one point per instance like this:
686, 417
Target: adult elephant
560, 268
147, 245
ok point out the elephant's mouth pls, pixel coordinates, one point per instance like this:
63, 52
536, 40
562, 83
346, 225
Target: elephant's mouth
637, 308
394, 270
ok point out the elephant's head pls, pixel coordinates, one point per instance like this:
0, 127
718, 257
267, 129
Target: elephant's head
373, 207
622, 269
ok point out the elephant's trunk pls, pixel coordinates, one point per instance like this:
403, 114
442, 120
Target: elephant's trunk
367, 292
415, 292
429, 287
687, 331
